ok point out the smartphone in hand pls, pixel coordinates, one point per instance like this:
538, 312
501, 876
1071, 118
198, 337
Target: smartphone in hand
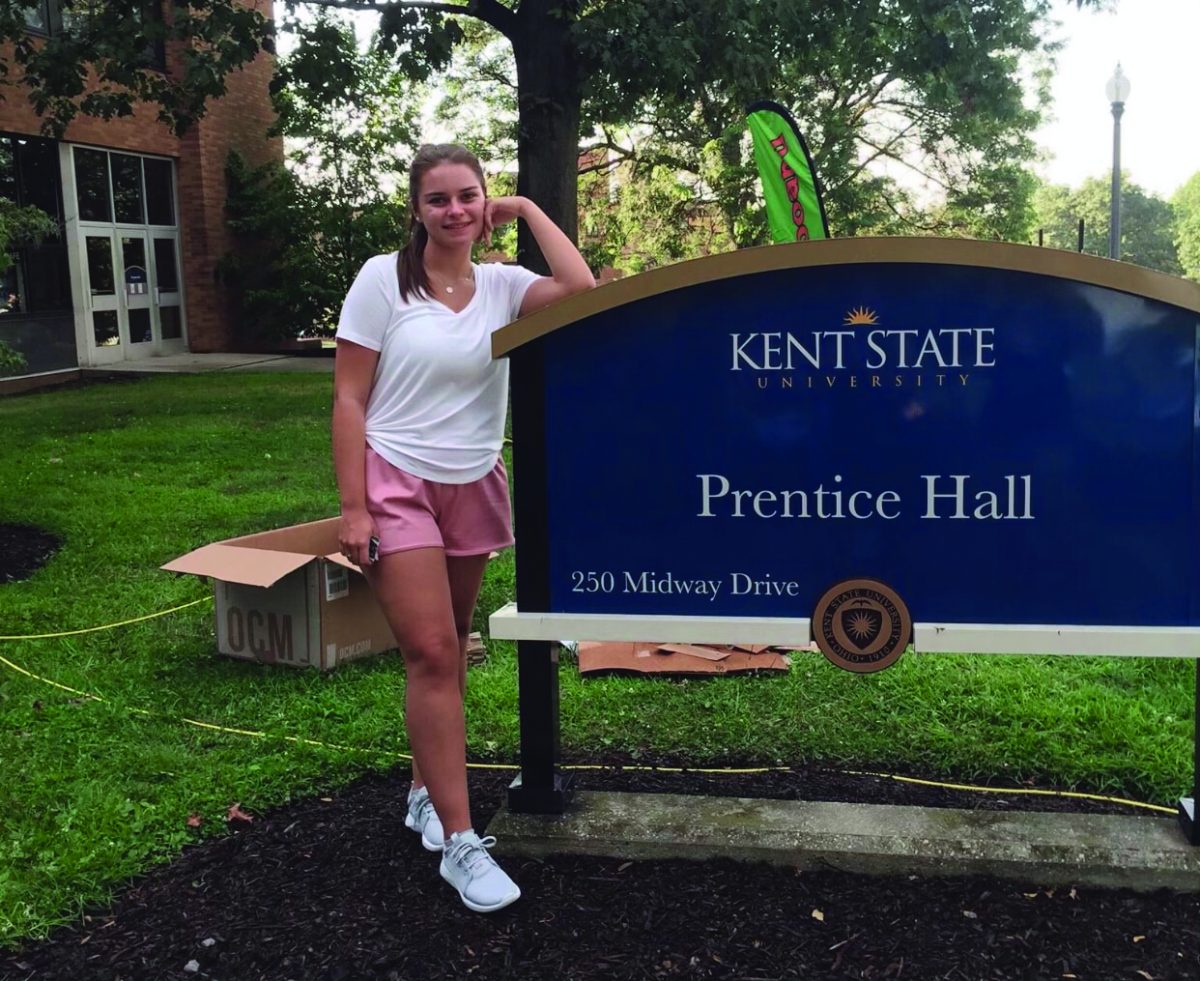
373, 549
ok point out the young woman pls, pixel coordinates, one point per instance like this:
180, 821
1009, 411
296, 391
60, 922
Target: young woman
418, 423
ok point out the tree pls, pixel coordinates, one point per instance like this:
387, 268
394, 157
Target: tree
636, 220
1186, 202
1146, 222
882, 77
305, 229
931, 87
997, 202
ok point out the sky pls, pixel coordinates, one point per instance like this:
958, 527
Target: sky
1156, 42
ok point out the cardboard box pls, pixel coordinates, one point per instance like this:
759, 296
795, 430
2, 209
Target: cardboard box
290, 597
476, 650
654, 658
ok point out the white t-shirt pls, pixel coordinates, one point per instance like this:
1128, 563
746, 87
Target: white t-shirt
438, 402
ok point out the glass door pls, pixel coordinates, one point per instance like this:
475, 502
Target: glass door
167, 295
135, 294
128, 274
103, 308
121, 300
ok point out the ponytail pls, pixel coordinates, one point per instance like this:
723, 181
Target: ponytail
410, 265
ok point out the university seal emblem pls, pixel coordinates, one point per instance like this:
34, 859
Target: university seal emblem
862, 625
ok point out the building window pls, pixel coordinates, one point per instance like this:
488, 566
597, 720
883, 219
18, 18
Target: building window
124, 188
37, 16
91, 185
160, 194
51, 17
127, 188
10, 287
39, 176
101, 278
37, 281
164, 264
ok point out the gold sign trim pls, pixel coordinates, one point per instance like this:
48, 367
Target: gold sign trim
1055, 263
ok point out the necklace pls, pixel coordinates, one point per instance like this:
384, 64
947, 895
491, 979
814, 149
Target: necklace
449, 287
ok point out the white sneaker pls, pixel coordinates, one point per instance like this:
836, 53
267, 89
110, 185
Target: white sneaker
481, 883
423, 818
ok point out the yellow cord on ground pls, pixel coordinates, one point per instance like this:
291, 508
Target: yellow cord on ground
106, 626
744, 771
29, 674
1032, 791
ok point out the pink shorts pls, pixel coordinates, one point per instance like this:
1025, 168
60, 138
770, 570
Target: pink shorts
463, 519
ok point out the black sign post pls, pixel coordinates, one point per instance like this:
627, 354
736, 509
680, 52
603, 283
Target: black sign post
540, 788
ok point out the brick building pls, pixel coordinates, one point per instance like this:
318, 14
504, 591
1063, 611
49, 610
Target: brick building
132, 274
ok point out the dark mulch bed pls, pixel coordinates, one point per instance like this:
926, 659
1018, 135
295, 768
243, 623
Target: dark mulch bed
23, 550
338, 890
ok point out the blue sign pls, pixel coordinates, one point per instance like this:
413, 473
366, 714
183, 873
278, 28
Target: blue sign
997, 443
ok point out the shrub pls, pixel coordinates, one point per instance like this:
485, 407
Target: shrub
12, 362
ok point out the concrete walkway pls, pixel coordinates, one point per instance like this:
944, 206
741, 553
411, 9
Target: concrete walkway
1040, 848
193, 364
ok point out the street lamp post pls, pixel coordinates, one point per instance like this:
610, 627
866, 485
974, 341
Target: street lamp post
1117, 91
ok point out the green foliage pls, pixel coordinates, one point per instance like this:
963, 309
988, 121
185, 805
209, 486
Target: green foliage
1146, 222
934, 88
479, 94
12, 362
19, 226
931, 89
1186, 203
932, 83
279, 286
422, 40
926, 84
306, 229
96, 64
997, 202
635, 220
22, 226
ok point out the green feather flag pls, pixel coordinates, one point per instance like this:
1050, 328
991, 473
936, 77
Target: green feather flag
795, 210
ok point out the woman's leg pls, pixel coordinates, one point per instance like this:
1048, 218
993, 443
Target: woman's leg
465, 574
414, 590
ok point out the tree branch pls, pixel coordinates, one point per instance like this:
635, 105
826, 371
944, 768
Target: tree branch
909, 219
880, 151
623, 154
863, 103
488, 74
883, 151
489, 11
608, 163
369, 6
495, 13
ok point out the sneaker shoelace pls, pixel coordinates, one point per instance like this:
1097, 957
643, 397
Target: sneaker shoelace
423, 810
473, 855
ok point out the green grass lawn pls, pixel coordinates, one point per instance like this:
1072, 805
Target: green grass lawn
133, 474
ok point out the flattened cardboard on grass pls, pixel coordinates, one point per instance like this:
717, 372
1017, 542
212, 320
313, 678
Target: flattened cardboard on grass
290, 597
476, 649
653, 658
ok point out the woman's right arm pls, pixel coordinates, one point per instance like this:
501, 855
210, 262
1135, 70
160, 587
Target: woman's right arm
353, 377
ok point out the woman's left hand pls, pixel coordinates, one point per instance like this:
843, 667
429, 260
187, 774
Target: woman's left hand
497, 212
